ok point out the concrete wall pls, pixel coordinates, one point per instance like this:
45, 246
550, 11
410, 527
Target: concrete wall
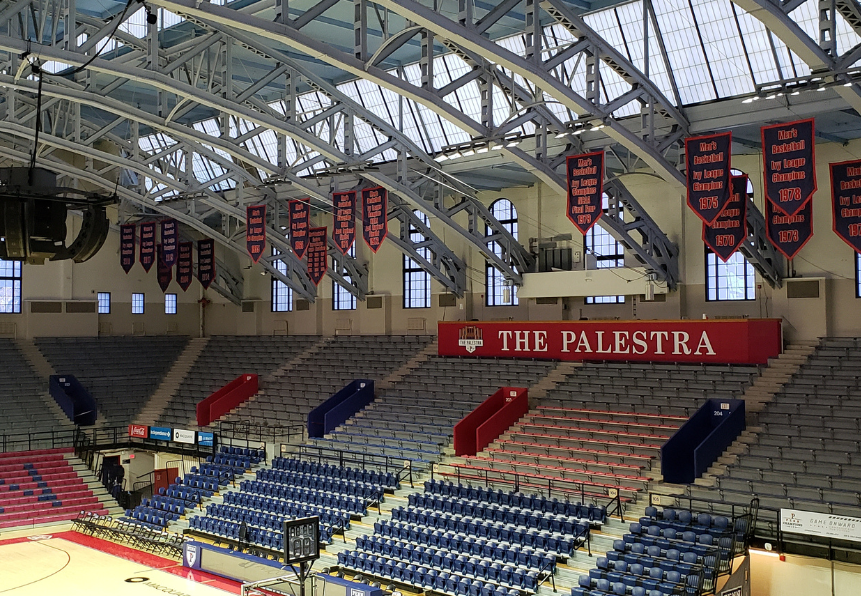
541, 212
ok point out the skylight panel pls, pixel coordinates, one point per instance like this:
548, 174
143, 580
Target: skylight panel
723, 47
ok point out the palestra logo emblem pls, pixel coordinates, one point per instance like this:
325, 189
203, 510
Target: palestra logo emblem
470, 338
191, 555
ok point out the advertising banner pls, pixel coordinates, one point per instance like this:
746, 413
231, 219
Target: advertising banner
138, 431
205, 439
707, 160
741, 341
788, 165
159, 432
183, 436
585, 189
820, 524
127, 246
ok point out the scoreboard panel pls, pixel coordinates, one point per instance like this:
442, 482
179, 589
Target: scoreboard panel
301, 540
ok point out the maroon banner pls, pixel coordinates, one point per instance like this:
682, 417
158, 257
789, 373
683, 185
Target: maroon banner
788, 164
729, 230
206, 262
255, 231
707, 160
375, 216
585, 189
127, 246
169, 241
789, 233
300, 222
737, 341
318, 254
184, 266
344, 222
164, 273
846, 201
147, 255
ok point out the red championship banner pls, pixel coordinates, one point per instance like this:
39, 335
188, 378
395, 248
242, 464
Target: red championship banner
164, 273
707, 160
184, 266
585, 189
846, 201
788, 164
318, 254
344, 226
127, 246
255, 230
169, 241
147, 254
300, 222
789, 233
206, 262
375, 216
738, 341
729, 230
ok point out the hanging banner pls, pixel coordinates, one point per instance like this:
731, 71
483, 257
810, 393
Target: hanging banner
206, 262
127, 246
255, 231
344, 227
300, 222
318, 254
707, 160
147, 245
789, 233
163, 271
375, 216
846, 201
169, 241
585, 189
788, 163
729, 230
184, 266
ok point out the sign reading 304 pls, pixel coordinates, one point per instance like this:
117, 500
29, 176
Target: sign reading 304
301, 540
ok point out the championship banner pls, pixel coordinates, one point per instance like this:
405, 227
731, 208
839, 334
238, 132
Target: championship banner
255, 231
163, 272
344, 226
184, 266
846, 201
788, 164
789, 233
375, 216
147, 245
729, 230
300, 222
820, 524
737, 341
206, 262
127, 246
707, 160
169, 241
318, 254
585, 189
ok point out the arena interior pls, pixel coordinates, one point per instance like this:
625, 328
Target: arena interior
443, 297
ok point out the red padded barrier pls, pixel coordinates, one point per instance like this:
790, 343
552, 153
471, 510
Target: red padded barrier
225, 399
490, 419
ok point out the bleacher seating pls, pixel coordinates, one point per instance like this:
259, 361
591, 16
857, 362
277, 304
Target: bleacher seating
25, 413
222, 360
287, 399
808, 452
602, 428
121, 373
415, 419
40, 487
471, 541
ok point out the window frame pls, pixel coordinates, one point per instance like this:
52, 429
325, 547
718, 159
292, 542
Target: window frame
170, 302
415, 279
142, 297
103, 304
857, 274
342, 298
749, 276
281, 295
494, 280
16, 282
604, 261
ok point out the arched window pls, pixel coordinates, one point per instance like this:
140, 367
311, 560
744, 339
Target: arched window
342, 299
733, 280
607, 252
498, 293
282, 294
417, 281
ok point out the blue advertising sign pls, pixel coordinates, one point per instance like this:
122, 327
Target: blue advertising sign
205, 439
160, 433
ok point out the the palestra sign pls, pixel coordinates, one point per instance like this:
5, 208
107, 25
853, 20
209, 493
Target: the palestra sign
737, 341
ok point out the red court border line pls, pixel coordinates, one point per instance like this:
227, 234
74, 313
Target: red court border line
129, 554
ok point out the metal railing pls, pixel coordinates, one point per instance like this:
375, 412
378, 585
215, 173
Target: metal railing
259, 433
402, 468
46, 439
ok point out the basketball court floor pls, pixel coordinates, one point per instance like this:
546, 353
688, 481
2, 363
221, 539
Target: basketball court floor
68, 563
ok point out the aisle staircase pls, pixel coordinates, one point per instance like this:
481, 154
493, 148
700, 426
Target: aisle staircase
159, 400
